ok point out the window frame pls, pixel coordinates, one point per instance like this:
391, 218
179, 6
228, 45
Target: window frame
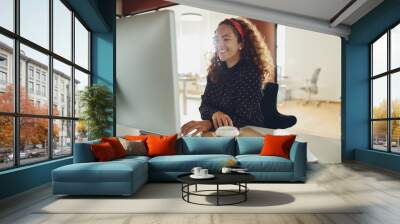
16, 114
388, 74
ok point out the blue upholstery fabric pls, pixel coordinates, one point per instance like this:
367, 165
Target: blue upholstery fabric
208, 145
126, 175
123, 177
130, 158
83, 152
257, 163
184, 163
298, 154
249, 145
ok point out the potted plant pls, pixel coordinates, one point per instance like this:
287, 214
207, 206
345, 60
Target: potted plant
96, 102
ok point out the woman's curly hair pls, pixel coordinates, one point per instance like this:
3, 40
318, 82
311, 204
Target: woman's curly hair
254, 49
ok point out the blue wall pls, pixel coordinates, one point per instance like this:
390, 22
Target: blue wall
356, 84
99, 15
24, 178
103, 52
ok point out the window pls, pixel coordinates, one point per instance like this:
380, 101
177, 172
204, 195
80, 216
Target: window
62, 29
43, 77
3, 71
385, 95
62, 74
34, 21
81, 45
43, 90
3, 78
7, 14
62, 137
3, 61
45, 131
30, 72
7, 142
38, 89
81, 81
30, 87
6, 73
37, 74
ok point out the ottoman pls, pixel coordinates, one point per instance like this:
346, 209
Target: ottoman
118, 177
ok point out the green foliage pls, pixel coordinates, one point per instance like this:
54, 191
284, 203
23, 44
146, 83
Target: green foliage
97, 103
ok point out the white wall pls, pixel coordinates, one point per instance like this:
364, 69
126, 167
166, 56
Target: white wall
147, 90
195, 38
304, 52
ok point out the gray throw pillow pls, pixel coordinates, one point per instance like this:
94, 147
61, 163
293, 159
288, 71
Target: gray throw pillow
134, 147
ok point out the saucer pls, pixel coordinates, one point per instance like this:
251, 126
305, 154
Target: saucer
208, 176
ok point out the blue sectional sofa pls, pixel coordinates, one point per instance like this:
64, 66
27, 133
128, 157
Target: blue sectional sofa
125, 176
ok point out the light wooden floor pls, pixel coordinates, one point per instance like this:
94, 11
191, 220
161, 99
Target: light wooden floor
324, 122
379, 189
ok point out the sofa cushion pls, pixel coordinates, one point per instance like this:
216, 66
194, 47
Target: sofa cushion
161, 145
277, 145
185, 163
116, 145
132, 158
257, 163
103, 152
208, 145
111, 171
83, 152
134, 147
249, 145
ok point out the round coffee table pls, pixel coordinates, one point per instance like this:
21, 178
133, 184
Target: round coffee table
238, 179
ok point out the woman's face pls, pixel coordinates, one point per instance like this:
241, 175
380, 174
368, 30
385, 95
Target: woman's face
226, 43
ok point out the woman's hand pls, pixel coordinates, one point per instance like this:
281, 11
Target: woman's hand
199, 126
221, 119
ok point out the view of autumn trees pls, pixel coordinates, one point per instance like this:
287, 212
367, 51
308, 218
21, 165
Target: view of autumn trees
33, 131
380, 127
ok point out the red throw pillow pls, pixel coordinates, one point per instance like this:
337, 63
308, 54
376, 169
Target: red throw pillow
161, 145
277, 145
116, 145
103, 151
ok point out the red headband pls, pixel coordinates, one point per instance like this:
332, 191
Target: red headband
238, 27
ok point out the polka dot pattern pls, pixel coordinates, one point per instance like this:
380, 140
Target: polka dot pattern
237, 93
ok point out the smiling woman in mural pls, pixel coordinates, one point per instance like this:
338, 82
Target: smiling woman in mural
241, 66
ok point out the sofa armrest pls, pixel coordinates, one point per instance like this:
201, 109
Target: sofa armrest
83, 152
298, 155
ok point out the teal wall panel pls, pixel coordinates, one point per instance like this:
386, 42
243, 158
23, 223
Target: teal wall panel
356, 85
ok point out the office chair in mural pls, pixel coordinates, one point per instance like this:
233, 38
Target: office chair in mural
272, 118
311, 87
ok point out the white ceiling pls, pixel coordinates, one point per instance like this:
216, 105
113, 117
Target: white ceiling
315, 15
320, 9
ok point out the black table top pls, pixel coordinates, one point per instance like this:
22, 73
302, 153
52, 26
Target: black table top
220, 178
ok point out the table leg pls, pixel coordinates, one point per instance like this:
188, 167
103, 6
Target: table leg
245, 193
188, 190
217, 194
195, 188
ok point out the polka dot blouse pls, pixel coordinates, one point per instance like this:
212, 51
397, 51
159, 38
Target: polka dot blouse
237, 93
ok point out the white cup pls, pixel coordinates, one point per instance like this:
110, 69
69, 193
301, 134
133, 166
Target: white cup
196, 171
203, 172
226, 170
